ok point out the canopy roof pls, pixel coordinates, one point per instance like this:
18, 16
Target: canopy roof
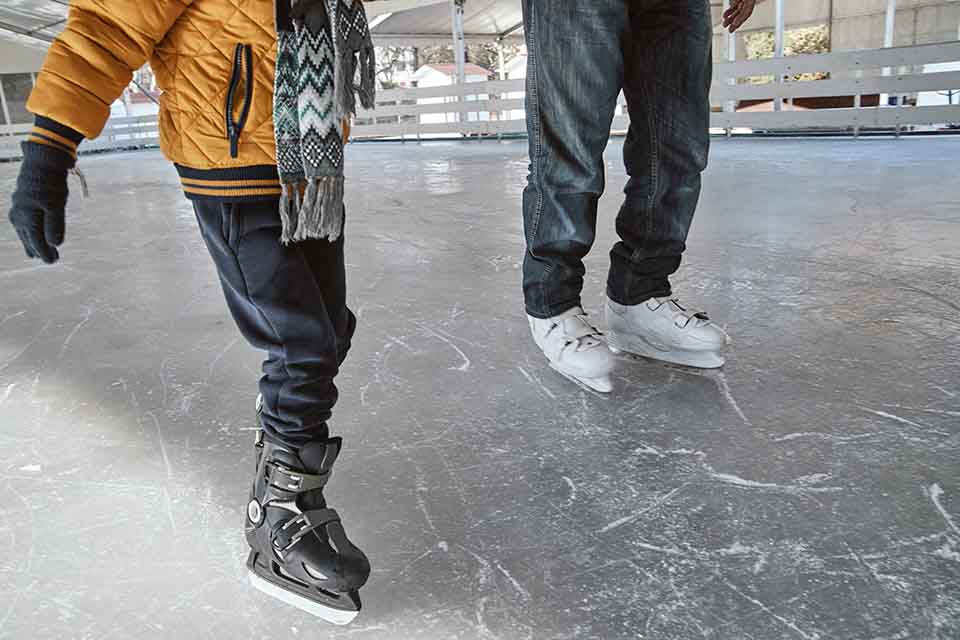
408, 22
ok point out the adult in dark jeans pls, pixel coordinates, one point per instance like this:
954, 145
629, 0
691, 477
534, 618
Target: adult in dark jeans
580, 56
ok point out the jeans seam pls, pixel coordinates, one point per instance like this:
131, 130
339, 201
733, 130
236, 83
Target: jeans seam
654, 154
533, 96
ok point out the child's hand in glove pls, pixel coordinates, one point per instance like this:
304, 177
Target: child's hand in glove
40, 200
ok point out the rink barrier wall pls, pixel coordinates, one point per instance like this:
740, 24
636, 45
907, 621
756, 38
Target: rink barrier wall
496, 107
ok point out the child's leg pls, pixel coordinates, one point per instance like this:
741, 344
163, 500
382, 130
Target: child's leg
278, 305
290, 301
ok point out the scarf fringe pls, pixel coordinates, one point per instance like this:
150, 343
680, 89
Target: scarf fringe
290, 209
318, 216
368, 77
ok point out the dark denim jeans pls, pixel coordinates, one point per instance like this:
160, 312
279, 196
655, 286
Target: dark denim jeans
289, 301
581, 55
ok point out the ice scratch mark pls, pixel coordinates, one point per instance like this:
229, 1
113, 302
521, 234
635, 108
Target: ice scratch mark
378, 627
163, 446
32, 468
363, 394
481, 624
647, 450
727, 478
6, 393
163, 381
26, 346
415, 561
949, 394
823, 436
947, 552
890, 416
403, 344
790, 625
938, 412
66, 343
633, 516
11, 317
935, 492
516, 585
653, 547
537, 382
573, 490
213, 363
420, 490
724, 387
466, 361
168, 505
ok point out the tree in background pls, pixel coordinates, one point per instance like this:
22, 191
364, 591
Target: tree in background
816, 39
484, 54
389, 61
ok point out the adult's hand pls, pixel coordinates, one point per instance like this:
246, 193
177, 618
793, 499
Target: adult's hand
738, 13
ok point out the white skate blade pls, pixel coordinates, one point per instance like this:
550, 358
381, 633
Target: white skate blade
601, 385
329, 614
692, 359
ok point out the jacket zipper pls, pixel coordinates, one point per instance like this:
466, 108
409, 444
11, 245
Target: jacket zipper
242, 60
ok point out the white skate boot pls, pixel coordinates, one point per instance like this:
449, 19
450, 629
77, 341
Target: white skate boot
662, 329
575, 348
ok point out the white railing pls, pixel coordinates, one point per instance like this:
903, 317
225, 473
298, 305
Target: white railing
119, 133
492, 108
497, 107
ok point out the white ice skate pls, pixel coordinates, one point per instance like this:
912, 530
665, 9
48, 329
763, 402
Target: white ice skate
663, 329
575, 348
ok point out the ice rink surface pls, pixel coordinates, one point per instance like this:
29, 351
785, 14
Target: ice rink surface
810, 490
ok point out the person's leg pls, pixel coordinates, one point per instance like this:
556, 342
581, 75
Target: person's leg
299, 551
574, 76
279, 307
667, 86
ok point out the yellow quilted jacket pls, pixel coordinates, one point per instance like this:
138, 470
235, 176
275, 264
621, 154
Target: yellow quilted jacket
214, 62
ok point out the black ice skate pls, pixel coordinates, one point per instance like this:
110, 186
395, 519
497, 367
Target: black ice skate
300, 553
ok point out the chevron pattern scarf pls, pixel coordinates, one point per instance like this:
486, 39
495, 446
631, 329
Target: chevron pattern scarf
325, 61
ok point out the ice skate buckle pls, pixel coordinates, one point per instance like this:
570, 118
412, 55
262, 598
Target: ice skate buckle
287, 479
296, 528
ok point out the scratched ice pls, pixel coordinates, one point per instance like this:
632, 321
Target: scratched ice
810, 490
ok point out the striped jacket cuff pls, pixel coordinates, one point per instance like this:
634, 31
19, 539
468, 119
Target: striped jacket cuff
53, 134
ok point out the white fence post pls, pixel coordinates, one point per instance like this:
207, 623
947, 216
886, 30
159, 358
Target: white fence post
730, 106
778, 37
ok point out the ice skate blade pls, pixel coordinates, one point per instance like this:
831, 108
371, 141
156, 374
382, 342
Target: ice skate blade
688, 359
598, 386
339, 617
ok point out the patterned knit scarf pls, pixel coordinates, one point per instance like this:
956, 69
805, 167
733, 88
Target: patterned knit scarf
321, 47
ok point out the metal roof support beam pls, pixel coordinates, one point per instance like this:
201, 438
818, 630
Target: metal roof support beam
509, 31
778, 37
459, 43
433, 39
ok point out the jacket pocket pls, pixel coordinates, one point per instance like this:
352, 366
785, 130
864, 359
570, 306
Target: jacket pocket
242, 70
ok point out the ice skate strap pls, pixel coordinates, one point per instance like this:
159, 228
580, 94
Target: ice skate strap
298, 527
578, 327
285, 479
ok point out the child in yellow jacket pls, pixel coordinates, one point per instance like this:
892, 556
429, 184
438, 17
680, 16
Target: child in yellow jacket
252, 114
